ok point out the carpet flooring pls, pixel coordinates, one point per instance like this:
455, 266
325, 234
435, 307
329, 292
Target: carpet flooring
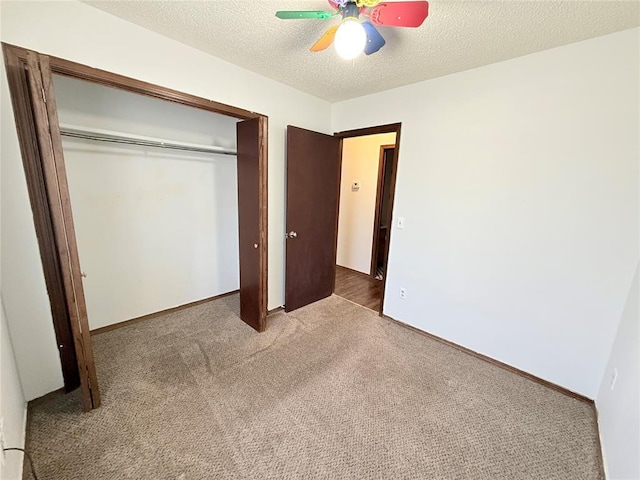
329, 391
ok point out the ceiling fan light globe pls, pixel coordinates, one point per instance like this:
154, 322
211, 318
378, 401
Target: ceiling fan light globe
350, 39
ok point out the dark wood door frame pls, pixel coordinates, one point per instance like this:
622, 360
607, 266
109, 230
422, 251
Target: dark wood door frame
361, 132
382, 169
37, 166
45, 114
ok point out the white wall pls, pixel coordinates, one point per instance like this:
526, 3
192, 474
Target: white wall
519, 185
360, 161
156, 228
13, 409
619, 408
83, 34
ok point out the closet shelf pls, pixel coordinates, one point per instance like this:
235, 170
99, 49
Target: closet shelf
100, 135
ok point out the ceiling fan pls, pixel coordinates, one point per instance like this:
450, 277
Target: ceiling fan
353, 36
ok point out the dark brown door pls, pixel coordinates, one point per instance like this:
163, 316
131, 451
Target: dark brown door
49, 141
252, 229
312, 215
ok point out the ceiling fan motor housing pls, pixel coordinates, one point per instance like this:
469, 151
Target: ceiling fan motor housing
350, 9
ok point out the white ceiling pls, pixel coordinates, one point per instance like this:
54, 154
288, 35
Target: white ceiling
457, 35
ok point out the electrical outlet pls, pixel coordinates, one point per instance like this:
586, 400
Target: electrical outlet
614, 377
403, 293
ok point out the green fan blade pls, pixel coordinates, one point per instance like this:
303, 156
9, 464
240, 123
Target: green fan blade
292, 14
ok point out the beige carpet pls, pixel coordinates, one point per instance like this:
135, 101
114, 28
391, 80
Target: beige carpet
329, 391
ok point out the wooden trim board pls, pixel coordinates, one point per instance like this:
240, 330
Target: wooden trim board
263, 222
50, 147
361, 132
273, 311
149, 316
497, 363
68, 68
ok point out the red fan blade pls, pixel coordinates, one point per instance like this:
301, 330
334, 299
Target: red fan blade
400, 14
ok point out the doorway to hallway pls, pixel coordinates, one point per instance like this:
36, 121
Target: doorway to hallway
338, 211
367, 184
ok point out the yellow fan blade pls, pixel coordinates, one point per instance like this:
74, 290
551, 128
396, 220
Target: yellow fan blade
325, 41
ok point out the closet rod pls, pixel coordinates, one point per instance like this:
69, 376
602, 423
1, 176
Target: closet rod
128, 139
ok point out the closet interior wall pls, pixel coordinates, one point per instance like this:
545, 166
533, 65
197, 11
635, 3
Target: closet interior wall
156, 227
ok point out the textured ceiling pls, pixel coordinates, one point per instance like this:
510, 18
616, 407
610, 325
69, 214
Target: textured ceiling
457, 35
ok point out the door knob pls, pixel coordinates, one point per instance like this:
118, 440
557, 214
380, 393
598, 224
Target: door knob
291, 234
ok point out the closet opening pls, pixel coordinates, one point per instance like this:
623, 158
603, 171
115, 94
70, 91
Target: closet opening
168, 193
153, 190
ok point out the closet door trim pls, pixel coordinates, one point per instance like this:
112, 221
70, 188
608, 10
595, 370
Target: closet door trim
55, 176
68, 68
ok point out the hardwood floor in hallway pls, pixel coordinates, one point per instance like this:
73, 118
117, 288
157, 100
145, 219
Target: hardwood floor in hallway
358, 287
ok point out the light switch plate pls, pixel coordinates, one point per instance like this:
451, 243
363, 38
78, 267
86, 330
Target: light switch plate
400, 222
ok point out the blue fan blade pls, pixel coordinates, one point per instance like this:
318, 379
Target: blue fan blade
374, 40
